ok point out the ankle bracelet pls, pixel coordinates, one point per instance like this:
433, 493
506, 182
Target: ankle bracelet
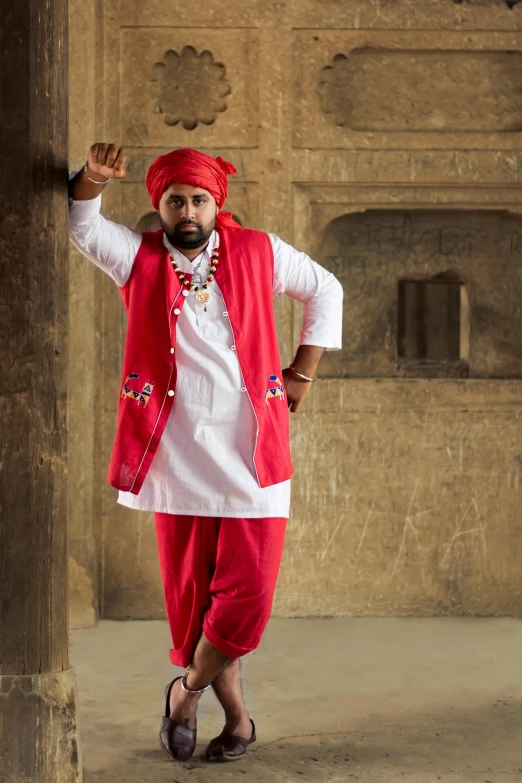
188, 688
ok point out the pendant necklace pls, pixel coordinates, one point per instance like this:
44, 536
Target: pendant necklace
198, 288
196, 276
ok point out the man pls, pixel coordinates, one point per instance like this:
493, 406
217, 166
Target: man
203, 433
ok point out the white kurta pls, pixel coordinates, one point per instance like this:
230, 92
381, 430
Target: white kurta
204, 462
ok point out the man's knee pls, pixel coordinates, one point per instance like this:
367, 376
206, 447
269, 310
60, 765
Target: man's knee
239, 621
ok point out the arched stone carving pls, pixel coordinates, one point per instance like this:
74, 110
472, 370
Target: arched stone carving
151, 222
148, 222
190, 88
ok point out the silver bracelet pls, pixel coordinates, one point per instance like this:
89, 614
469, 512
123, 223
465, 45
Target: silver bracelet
300, 374
85, 168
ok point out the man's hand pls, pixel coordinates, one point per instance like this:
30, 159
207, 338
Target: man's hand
296, 389
104, 161
306, 360
107, 161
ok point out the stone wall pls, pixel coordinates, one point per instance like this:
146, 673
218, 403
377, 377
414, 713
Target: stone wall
382, 137
406, 500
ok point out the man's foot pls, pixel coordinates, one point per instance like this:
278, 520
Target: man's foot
178, 727
240, 727
183, 706
231, 746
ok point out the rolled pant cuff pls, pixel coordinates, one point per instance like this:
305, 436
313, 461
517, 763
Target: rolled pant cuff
227, 648
182, 656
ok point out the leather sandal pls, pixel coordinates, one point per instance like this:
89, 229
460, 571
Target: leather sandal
229, 746
175, 737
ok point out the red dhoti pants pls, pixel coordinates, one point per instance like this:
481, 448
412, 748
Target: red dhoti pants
219, 577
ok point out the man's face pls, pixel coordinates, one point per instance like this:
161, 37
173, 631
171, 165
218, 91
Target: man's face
187, 215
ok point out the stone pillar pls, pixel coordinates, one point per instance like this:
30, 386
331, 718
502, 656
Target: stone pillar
38, 735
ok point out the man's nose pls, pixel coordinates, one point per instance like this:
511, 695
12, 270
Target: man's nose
187, 212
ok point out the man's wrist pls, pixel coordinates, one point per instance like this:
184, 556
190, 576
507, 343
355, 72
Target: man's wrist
81, 189
307, 360
302, 376
94, 177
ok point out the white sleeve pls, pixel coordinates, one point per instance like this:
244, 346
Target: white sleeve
109, 245
298, 276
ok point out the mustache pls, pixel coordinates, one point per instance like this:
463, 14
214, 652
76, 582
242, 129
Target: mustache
186, 223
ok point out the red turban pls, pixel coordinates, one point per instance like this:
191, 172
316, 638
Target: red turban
191, 167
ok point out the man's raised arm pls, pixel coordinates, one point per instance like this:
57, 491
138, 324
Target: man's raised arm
109, 245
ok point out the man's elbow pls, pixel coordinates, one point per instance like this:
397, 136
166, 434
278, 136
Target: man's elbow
336, 289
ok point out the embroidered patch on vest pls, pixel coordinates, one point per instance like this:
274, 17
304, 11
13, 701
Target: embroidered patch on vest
142, 396
276, 389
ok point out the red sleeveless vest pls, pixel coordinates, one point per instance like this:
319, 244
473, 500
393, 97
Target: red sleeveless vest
153, 300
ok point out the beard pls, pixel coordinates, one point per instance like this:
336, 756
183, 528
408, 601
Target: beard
188, 240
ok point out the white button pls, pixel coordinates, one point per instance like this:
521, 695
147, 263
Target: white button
244, 388
225, 313
233, 348
172, 350
185, 293
176, 311
170, 393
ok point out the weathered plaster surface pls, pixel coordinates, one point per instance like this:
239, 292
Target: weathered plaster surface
406, 500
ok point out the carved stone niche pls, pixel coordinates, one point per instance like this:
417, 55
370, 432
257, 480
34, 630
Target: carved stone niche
428, 293
389, 90
398, 89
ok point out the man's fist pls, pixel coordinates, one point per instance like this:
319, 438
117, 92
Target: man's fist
107, 161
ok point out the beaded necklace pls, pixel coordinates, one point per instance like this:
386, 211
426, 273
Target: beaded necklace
202, 294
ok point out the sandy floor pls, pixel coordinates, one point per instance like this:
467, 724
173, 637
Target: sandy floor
371, 699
